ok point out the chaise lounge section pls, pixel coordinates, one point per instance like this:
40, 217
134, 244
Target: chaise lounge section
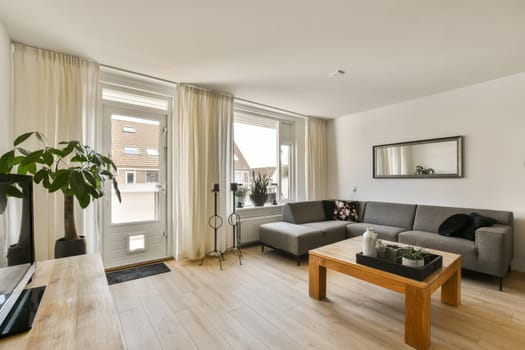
304, 228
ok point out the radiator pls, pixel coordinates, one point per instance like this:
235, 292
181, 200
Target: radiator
250, 227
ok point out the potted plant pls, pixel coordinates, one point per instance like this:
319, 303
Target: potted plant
240, 194
259, 190
420, 170
413, 257
75, 169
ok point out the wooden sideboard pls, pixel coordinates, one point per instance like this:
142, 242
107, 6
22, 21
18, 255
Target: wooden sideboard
76, 311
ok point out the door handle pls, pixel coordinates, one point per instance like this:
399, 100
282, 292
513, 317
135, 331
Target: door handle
161, 188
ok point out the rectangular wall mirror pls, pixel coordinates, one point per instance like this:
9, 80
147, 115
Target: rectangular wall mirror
433, 158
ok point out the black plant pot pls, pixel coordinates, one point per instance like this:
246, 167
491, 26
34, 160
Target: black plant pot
258, 200
18, 255
65, 248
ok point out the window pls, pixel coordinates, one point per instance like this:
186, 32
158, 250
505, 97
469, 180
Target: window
129, 130
152, 176
153, 152
130, 177
260, 148
131, 150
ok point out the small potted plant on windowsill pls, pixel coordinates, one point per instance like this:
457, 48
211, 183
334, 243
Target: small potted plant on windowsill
75, 169
240, 195
413, 257
259, 190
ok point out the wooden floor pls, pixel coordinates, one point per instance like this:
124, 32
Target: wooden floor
264, 304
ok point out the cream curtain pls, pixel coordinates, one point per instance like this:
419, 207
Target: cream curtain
55, 94
316, 163
204, 138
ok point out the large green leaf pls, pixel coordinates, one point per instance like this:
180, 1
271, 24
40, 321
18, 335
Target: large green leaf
27, 168
84, 200
40, 138
90, 178
80, 190
55, 151
69, 148
48, 158
32, 158
117, 191
39, 175
108, 161
78, 184
22, 138
6, 162
61, 179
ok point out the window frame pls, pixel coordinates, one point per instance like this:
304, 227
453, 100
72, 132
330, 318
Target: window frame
270, 120
128, 129
130, 148
132, 172
155, 152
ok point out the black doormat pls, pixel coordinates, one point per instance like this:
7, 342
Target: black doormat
136, 273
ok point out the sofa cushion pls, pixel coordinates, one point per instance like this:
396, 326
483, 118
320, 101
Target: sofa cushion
454, 225
429, 217
467, 249
303, 212
476, 221
295, 239
333, 231
390, 214
388, 233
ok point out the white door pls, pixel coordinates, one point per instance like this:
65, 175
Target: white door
135, 229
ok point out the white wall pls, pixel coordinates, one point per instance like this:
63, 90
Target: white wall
490, 115
5, 90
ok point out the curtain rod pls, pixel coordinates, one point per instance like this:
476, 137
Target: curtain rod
272, 107
136, 73
204, 89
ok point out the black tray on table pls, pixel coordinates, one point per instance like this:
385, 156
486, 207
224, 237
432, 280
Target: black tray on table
432, 264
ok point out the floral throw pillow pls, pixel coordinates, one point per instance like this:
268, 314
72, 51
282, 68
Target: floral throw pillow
348, 211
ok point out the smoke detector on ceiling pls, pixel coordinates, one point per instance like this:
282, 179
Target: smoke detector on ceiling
337, 73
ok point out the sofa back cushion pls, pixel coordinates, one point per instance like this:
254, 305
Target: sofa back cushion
390, 214
303, 212
429, 217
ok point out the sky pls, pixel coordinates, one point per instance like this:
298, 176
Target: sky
258, 144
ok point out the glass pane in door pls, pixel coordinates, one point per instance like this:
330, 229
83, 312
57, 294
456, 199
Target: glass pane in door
135, 150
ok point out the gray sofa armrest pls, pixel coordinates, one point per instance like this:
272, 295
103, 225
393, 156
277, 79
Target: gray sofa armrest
495, 248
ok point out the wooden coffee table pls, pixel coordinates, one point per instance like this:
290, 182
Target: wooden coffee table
340, 257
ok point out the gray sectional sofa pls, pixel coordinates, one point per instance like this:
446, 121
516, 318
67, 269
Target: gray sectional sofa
304, 227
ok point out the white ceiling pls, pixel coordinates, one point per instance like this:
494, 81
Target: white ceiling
280, 52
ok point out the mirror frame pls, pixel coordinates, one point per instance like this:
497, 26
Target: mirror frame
459, 159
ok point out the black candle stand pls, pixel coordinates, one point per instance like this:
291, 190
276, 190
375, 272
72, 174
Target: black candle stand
235, 221
215, 222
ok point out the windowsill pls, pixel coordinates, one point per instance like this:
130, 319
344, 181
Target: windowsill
266, 210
